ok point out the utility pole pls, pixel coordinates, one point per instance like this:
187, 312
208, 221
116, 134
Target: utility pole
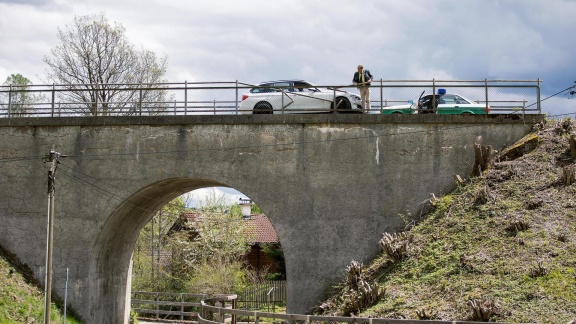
52, 158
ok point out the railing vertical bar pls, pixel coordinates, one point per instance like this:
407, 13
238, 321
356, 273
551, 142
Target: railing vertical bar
54, 98
434, 96
96, 100
486, 87
140, 101
237, 102
185, 97
10, 101
381, 95
538, 95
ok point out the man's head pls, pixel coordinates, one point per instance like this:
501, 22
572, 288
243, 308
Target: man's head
360, 68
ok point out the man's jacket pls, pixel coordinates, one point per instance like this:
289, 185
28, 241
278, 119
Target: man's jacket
367, 76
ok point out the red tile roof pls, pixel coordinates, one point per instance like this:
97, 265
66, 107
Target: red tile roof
259, 229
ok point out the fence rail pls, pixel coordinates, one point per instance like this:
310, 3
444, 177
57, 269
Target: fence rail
163, 305
214, 98
226, 312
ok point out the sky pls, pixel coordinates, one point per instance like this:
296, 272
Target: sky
320, 41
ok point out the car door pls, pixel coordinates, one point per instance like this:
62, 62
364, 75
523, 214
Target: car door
447, 104
308, 98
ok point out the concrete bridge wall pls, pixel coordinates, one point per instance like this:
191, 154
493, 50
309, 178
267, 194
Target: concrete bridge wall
330, 184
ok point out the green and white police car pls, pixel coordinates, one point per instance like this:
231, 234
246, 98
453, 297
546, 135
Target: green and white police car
446, 103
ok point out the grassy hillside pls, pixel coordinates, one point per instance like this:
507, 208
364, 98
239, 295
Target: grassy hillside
501, 247
21, 299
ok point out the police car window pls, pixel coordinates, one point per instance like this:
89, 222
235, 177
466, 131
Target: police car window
448, 99
462, 100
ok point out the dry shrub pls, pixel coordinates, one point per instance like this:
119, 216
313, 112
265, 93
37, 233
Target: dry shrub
359, 293
539, 270
568, 175
483, 310
517, 226
396, 245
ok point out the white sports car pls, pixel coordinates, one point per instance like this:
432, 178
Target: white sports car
297, 96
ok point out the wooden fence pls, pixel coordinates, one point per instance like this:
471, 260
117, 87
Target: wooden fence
268, 294
220, 310
163, 305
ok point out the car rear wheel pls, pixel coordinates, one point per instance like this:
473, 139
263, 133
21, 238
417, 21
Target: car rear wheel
262, 108
341, 104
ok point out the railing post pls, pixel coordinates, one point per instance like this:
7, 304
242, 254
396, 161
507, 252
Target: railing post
237, 97
9, 101
53, 97
181, 307
381, 95
434, 95
538, 96
185, 97
234, 305
140, 101
96, 100
486, 88
214, 106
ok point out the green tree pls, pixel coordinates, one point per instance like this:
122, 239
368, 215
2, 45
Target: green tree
152, 249
208, 258
17, 98
94, 58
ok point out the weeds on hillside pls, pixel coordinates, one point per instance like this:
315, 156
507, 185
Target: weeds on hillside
501, 247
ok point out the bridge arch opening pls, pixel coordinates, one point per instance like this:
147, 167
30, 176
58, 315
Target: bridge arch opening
114, 248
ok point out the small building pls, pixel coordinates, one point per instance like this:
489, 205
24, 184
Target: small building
259, 231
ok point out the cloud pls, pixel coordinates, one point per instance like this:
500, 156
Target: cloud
226, 40
202, 197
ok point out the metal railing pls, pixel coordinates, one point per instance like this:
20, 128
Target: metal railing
216, 98
225, 312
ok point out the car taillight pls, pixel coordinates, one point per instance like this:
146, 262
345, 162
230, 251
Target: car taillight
487, 109
244, 97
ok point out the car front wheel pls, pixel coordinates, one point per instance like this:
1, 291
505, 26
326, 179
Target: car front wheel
341, 104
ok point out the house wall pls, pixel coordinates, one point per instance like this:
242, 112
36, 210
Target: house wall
259, 260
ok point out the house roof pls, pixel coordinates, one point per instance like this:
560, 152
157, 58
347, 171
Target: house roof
258, 227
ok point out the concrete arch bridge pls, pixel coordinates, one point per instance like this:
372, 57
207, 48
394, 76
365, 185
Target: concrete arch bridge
330, 184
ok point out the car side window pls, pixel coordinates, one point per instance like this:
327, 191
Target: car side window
284, 86
461, 100
263, 88
448, 99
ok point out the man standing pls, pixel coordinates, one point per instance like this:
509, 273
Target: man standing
362, 79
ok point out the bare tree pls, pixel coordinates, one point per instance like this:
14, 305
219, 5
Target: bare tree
102, 70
